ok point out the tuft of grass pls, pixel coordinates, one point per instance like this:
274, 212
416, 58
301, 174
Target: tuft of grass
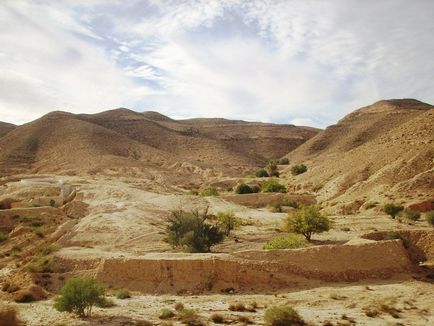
106, 303
166, 313
238, 306
190, 317
282, 315
179, 306
244, 320
123, 294
210, 191
292, 241
217, 318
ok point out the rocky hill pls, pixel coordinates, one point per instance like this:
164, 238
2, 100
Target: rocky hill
121, 139
384, 151
5, 128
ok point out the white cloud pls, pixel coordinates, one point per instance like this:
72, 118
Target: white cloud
286, 61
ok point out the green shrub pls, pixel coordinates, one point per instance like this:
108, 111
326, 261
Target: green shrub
123, 294
243, 188
283, 315
3, 237
79, 295
272, 168
191, 231
227, 221
166, 313
291, 241
43, 264
307, 220
261, 173
429, 217
411, 214
392, 209
298, 169
284, 161
273, 185
210, 191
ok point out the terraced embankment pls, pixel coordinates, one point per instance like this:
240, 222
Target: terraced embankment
250, 271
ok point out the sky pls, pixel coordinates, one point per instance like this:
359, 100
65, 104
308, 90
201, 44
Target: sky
304, 62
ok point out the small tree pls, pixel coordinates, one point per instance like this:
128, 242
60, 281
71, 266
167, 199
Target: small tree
392, 209
261, 173
272, 168
192, 232
411, 214
429, 216
298, 169
284, 161
273, 185
227, 221
283, 315
306, 221
79, 295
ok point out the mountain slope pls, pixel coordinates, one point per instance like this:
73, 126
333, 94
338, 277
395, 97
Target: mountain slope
122, 138
381, 152
5, 128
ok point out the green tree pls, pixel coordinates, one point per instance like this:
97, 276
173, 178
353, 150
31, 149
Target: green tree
307, 220
79, 295
192, 232
298, 169
392, 209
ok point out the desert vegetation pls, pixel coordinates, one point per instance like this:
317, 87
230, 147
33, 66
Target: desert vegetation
80, 295
298, 169
192, 231
273, 185
307, 221
283, 315
243, 188
291, 241
392, 209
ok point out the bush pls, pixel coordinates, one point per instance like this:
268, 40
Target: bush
429, 217
276, 206
3, 237
179, 306
272, 169
106, 303
298, 169
243, 188
238, 306
43, 264
217, 318
392, 209
284, 161
283, 315
306, 221
261, 173
123, 294
210, 191
227, 221
411, 214
191, 231
273, 185
79, 295
292, 241
190, 317
166, 313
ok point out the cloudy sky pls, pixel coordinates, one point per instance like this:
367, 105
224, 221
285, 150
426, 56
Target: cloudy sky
291, 61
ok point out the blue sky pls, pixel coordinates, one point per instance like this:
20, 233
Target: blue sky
302, 62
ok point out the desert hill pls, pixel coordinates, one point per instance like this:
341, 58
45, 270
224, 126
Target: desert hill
5, 128
381, 151
121, 138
